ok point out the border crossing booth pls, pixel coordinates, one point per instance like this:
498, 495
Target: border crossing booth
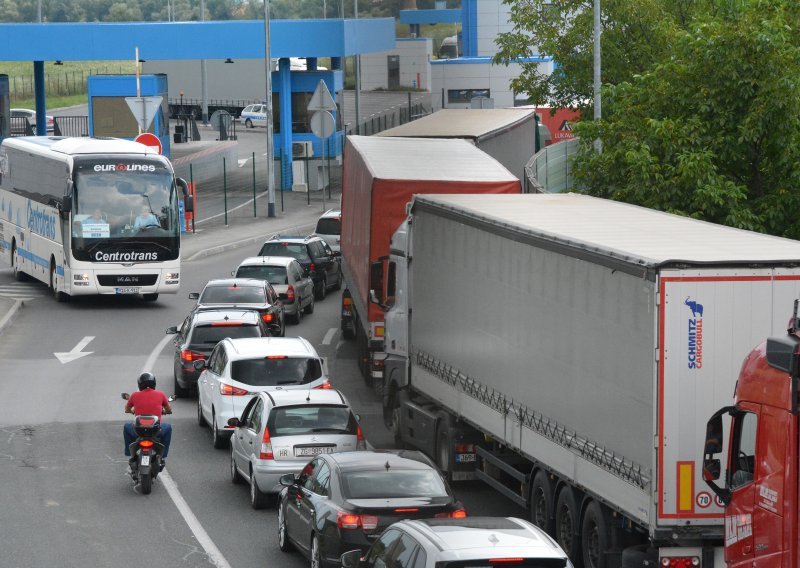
5, 107
110, 114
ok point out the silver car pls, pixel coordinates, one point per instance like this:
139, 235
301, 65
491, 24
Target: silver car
290, 281
329, 227
279, 432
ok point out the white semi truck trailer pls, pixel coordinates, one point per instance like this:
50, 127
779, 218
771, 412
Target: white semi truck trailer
567, 350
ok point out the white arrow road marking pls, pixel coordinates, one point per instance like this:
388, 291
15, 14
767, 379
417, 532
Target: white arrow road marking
243, 162
77, 351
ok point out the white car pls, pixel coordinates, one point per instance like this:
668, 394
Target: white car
329, 227
279, 432
18, 124
254, 115
486, 542
238, 369
291, 282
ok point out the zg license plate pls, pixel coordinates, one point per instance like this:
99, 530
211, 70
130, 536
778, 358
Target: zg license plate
126, 290
313, 451
465, 458
145, 460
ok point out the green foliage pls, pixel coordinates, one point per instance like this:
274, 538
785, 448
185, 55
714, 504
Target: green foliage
712, 131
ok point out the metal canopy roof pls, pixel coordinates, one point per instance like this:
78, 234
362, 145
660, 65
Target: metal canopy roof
633, 234
461, 123
428, 159
194, 40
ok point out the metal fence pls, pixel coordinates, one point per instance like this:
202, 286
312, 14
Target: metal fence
550, 169
71, 126
396, 115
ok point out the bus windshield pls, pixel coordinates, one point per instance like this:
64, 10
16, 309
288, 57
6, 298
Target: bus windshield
131, 208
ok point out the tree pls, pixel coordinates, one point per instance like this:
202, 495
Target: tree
713, 131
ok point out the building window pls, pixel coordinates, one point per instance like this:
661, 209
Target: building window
465, 95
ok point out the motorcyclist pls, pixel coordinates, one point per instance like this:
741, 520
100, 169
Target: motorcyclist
149, 402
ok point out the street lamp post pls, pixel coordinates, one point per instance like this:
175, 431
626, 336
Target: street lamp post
270, 147
203, 83
598, 144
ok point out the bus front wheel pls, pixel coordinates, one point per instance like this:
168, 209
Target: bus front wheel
150, 297
59, 296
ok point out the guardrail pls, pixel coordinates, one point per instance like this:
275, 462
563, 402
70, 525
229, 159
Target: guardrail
550, 169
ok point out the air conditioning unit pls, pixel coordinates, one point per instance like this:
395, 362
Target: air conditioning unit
303, 149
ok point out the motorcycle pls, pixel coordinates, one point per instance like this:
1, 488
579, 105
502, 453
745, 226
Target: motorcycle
147, 450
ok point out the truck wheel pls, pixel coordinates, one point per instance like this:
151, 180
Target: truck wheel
594, 536
567, 525
542, 502
639, 556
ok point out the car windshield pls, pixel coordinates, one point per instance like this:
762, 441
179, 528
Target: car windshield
276, 371
393, 483
329, 226
211, 335
233, 295
307, 419
275, 275
297, 251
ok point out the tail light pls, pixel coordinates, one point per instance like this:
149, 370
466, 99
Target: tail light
266, 447
312, 267
351, 521
326, 385
457, 514
465, 448
361, 443
410, 510
347, 302
290, 294
229, 390
680, 561
147, 444
187, 356
268, 318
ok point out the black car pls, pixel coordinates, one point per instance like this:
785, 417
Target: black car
247, 293
200, 332
314, 254
344, 501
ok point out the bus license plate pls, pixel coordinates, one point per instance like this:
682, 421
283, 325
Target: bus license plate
315, 451
127, 290
145, 460
465, 458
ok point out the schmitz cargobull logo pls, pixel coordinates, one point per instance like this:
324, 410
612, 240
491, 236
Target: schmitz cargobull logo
695, 347
124, 168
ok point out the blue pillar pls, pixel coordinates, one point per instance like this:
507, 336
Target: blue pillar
41, 103
311, 63
285, 144
336, 63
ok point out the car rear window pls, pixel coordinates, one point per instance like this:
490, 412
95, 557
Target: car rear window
275, 275
271, 372
308, 419
329, 226
392, 484
233, 295
294, 250
211, 335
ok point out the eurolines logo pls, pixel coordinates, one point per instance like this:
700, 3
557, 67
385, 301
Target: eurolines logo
124, 168
695, 351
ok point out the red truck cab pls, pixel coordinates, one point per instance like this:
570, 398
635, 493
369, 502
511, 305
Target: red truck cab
760, 492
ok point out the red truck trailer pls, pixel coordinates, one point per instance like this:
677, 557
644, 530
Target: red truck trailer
380, 175
760, 489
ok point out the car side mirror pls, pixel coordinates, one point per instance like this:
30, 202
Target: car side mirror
194, 295
351, 559
200, 364
288, 479
125, 396
234, 422
337, 254
172, 330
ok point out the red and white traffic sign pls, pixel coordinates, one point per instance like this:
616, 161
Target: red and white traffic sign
150, 140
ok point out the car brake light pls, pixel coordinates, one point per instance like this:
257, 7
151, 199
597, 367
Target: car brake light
680, 561
290, 294
352, 521
361, 443
465, 448
276, 356
406, 510
326, 385
146, 443
347, 302
267, 318
457, 514
188, 356
229, 390
312, 267
266, 447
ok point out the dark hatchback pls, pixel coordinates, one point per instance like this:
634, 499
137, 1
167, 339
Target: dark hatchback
200, 332
245, 293
344, 501
314, 254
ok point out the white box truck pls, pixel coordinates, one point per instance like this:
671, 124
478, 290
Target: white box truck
567, 350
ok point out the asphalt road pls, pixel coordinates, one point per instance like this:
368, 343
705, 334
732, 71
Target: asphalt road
66, 499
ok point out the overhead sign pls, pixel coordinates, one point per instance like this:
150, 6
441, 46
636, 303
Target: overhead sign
322, 124
321, 99
144, 109
150, 140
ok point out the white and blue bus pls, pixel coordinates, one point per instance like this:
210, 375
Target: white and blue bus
90, 216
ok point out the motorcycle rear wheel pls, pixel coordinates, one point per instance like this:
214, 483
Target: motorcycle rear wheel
146, 482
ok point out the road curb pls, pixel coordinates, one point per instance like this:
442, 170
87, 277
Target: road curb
211, 251
10, 315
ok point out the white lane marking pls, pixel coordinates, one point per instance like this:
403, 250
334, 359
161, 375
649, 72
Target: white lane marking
243, 161
329, 336
76, 352
213, 553
245, 204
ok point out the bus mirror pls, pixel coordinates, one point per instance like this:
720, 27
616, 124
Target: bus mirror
188, 200
66, 204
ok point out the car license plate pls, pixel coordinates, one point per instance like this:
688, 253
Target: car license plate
313, 451
465, 458
126, 290
145, 460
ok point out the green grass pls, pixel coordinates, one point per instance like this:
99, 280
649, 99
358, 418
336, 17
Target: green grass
53, 102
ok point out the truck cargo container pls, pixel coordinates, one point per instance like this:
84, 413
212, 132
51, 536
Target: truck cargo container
379, 177
567, 350
508, 134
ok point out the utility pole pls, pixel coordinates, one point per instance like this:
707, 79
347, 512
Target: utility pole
203, 84
270, 146
598, 144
